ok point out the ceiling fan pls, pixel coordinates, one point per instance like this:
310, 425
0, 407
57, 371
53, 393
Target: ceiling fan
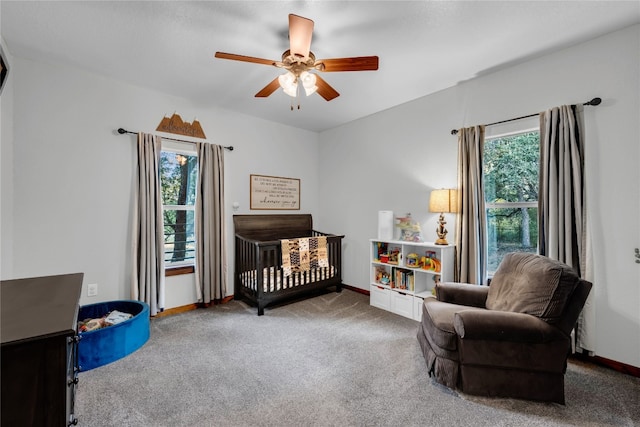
299, 62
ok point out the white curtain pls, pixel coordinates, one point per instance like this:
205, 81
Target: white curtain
147, 282
562, 222
471, 222
211, 263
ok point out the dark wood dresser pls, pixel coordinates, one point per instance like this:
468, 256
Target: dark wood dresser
38, 324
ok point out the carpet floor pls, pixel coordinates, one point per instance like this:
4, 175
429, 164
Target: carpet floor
330, 360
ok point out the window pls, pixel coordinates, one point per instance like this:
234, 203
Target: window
178, 177
511, 170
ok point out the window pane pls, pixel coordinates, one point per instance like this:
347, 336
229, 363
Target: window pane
511, 168
179, 236
510, 230
178, 175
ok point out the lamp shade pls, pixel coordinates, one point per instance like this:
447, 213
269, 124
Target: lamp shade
444, 201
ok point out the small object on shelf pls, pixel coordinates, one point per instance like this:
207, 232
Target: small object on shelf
409, 229
384, 258
382, 276
412, 260
394, 256
382, 249
430, 262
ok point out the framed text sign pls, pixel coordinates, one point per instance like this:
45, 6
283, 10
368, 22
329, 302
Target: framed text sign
274, 192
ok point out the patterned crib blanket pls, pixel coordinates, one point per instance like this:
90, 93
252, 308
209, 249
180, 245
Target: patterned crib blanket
304, 254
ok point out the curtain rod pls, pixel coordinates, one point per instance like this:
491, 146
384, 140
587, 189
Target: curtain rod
122, 131
594, 101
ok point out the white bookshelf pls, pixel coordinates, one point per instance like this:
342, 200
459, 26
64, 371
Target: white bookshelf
402, 280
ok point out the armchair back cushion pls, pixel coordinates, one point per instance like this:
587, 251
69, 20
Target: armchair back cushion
532, 284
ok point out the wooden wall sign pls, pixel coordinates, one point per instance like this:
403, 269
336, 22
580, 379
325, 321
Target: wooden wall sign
274, 192
175, 124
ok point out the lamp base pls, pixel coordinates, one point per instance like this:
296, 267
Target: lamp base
441, 232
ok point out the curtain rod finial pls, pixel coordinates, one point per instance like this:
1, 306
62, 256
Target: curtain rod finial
454, 132
121, 131
594, 101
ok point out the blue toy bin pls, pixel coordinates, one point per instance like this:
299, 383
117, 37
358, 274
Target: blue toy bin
106, 345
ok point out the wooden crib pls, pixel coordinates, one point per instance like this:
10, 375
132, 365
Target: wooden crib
259, 277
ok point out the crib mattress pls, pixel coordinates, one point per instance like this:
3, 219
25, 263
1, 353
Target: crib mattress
273, 278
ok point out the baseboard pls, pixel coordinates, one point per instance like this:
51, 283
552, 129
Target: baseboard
176, 310
189, 307
634, 371
354, 289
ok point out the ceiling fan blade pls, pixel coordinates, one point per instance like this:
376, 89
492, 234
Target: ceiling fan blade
300, 33
268, 89
360, 63
325, 90
243, 58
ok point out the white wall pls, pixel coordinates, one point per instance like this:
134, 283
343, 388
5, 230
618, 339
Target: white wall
73, 174
393, 159
6, 169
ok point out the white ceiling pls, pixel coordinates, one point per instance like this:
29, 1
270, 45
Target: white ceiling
424, 46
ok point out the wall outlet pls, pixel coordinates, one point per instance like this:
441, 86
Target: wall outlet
92, 289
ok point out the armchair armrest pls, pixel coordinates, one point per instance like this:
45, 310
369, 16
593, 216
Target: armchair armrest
462, 294
493, 325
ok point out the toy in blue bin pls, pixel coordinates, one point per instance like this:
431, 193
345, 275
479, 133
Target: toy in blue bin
107, 344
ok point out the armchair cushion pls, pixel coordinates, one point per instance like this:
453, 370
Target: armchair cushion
440, 324
504, 326
462, 294
532, 284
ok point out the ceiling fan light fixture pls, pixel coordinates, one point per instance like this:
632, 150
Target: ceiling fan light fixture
308, 82
311, 90
289, 84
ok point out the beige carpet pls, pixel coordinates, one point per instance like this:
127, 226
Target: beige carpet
331, 360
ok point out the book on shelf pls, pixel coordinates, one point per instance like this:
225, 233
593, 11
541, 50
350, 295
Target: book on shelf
404, 279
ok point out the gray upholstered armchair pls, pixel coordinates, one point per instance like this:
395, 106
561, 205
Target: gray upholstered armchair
510, 339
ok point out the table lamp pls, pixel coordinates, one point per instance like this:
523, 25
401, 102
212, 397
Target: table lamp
443, 201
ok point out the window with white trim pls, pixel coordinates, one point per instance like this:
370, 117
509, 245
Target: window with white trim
178, 178
511, 170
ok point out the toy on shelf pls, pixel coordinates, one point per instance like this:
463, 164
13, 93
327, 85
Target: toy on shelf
412, 260
382, 276
394, 256
430, 262
409, 229
381, 249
